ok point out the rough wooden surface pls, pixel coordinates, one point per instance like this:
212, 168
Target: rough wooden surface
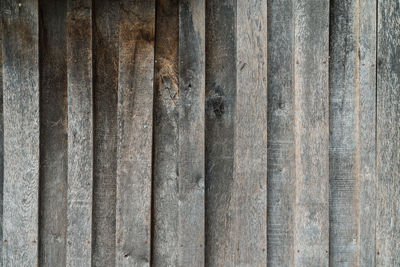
344, 125
367, 139
80, 133
165, 141
311, 128
249, 198
105, 94
219, 129
388, 135
53, 132
135, 127
1, 140
21, 132
280, 151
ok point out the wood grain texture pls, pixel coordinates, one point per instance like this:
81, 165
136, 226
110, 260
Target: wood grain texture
21, 133
219, 129
1, 140
80, 133
191, 132
249, 198
135, 119
344, 125
367, 138
388, 135
311, 122
281, 182
105, 93
165, 238
53, 132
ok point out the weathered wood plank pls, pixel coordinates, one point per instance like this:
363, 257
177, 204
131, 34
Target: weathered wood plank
105, 93
344, 125
21, 132
219, 129
53, 132
281, 182
1, 139
80, 133
249, 232
367, 139
165, 140
388, 135
311, 241
135, 119
191, 132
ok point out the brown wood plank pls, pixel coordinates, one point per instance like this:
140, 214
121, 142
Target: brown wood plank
165, 141
388, 135
367, 139
105, 93
80, 133
135, 119
249, 198
21, 133
281, 177
53, 132
311, 241
219, 128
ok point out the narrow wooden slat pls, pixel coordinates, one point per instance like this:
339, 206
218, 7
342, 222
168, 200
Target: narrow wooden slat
165, 141
219, 128
249, 198
344, 115
388, 135
191, 133
53, 132
105, 93
21, 133
134, 152
1, 139
367, 139
311, 241
281, 183
80, 133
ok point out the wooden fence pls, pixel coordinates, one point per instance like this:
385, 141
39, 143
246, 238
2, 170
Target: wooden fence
200, 132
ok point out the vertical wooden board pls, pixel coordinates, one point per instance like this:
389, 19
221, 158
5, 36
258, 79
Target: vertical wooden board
311, 241
105, 93
165, 232
367, 139
280, 133
134, 152
191, 132
21, 133
219, 129
344, 125
249, 241
388, 135
53, 132
1, 139
80, 133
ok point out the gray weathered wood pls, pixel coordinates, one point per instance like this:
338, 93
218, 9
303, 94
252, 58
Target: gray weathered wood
165, 141
80, 133
135, 119
311, 127
219, 129
53, 132
21, 133
249, 198
105, 93
344, 125
1, 140
367, 139
281, 183
388, 135
191, 132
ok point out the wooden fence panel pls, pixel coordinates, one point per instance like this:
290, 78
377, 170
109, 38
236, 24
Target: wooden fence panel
199, 133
